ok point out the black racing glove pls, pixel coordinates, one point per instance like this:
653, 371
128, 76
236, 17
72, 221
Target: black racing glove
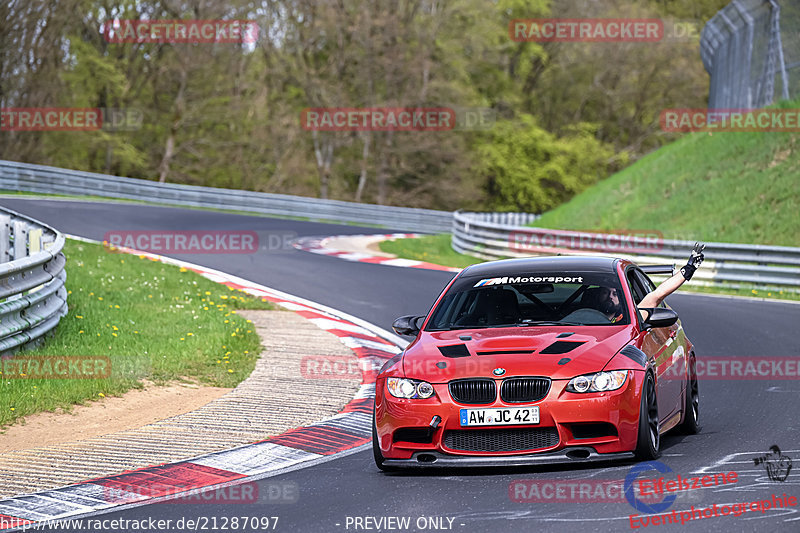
694, 261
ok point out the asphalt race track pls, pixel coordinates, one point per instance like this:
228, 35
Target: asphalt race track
743, 417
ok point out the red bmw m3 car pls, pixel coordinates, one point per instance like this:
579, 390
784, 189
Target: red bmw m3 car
536, 360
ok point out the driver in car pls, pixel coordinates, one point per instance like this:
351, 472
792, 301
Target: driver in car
610, 303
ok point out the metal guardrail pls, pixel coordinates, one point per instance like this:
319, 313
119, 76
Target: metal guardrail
52, 180
32, 294
735, 265
485, 235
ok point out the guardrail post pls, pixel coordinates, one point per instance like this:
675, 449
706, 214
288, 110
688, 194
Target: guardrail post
5, 238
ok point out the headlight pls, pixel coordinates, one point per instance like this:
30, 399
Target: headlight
599, 382
409, 388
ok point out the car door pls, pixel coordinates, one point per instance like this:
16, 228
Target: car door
657, 345
673, 358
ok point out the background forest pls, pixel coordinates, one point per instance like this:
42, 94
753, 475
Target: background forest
228, 115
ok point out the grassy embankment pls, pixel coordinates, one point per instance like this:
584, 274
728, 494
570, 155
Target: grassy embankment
714, 187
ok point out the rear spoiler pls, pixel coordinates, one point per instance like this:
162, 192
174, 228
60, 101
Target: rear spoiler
658, 269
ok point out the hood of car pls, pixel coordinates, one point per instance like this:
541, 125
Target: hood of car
439, 357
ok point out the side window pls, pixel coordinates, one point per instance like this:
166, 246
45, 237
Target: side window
647, 283
636, 287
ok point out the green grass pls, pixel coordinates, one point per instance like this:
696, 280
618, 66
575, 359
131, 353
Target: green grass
431, 248
154, 321
724, 187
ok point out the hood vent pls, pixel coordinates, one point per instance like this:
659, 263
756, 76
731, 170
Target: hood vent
561, 347
562, 335
635, 354
454, 350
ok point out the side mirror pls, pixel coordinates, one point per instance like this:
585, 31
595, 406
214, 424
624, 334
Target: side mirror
406, 325
660, 317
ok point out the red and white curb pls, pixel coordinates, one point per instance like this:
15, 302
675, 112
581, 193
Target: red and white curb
297, 448
325, 246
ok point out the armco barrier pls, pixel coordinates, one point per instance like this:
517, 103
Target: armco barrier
768, 267
485, 235
37, 178
32, 294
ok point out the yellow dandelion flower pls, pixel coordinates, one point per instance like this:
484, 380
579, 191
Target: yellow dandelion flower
183, 338
207, 293
190, 334
100, 298
78, 316
81, 331
114, 334
101, 394
183, 269
230, 371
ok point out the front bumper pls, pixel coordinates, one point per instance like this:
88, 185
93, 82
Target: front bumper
577, 454
568, 414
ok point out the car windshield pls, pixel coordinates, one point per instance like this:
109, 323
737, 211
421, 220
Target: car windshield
531, 299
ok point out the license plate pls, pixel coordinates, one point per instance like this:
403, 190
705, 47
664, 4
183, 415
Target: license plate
500, 417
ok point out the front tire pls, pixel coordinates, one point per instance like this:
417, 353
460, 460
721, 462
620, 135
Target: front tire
691, 402
649, 440
376, 449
